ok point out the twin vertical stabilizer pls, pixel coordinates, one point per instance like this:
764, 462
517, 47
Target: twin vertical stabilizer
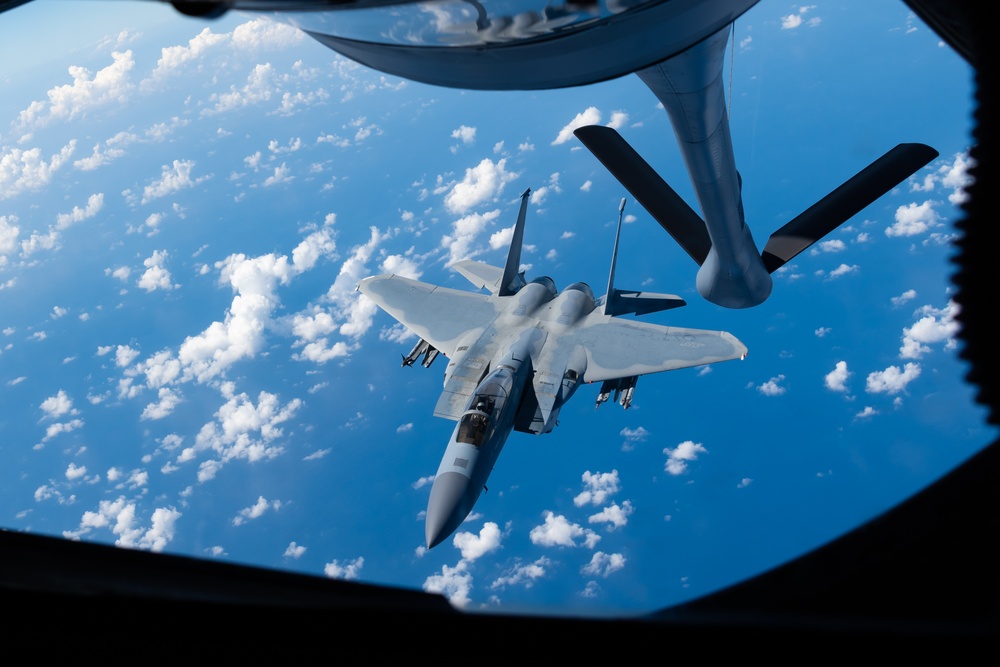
624, 302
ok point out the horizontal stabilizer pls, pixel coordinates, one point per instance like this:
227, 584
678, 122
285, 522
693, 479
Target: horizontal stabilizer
845, 202
629, 302
649, 189
480, 274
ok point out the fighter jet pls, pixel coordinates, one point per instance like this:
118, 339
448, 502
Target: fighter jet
517, 354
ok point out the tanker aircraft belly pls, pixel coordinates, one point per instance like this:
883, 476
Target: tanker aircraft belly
515, 357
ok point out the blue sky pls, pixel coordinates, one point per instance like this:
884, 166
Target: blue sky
186, 207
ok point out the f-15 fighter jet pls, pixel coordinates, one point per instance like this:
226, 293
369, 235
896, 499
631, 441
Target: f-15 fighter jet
516, 355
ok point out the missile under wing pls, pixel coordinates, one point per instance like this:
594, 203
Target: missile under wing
516, 355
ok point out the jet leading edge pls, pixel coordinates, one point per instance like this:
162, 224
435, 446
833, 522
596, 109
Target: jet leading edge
516, 355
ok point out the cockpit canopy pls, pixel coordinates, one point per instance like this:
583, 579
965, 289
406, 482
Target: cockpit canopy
484, 408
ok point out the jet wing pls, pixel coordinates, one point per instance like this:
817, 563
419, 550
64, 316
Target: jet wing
440, 315
625, 348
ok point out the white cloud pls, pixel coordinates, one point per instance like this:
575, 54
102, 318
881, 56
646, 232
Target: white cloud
474, 546
843, 270
618, 120
58, 405
633, 436
465, 133
525, 575
590, 116
598, 487
119, 516
173, 178
614, 515
908, 295
260, 87
75, 472
678, 457
835, 379
168, 400
483, 183
242, 430
22, 170
935, 326
347, 570
773, 387
294, 551
835, 245
110, 85
8, 235
455, 583
464, 232
892, 380
172, 58
558, 531
602, 564
156, 276
280, 175
94, 204
914, 219
256, 510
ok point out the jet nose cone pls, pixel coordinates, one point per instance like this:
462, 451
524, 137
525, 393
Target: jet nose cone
446, 508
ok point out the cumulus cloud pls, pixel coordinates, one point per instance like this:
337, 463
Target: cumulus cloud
94, 204
914, 219
614, 515
261, 85
679, 457
598, 487
294, 551
460, 243
835, 379
842, 270
120, 517
256, 510
27, 170
632, 436
173, 178
602, 564
483, 183
589, 116
110, 85
523, 574
346, 570
773, 387
464, 133
455, 583
558, 531
892, 380
935, 326
474, 546
58, 406
242, 333
168, 400
908, 295
241, 430
156, 276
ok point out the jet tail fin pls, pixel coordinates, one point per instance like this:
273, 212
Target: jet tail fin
846, 201
624, 302
512, 281
648, 188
